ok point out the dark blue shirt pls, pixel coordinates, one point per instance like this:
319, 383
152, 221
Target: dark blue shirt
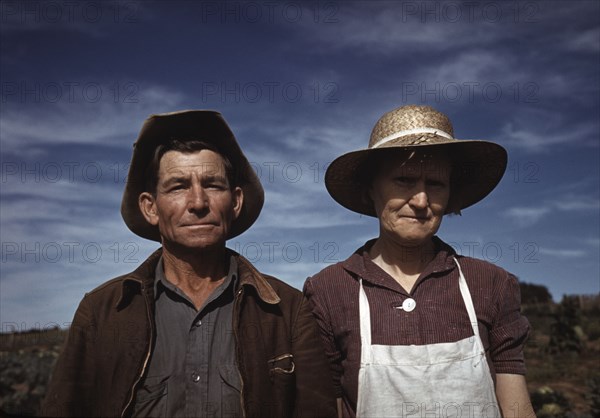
192, 371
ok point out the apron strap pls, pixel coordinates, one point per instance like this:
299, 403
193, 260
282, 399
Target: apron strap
364, 314
466, 295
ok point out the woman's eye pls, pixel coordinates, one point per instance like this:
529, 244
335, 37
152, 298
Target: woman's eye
436, 183
405, 180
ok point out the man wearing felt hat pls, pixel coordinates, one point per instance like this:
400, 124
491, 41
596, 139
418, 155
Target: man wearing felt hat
196, 330
410, 327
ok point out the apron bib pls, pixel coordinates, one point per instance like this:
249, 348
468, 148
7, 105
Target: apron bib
434, 380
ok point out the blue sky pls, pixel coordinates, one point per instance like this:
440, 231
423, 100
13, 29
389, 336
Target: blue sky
299, 83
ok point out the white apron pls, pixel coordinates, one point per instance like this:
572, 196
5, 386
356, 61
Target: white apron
435, 380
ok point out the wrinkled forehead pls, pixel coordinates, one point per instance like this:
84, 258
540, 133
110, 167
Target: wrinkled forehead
205, 163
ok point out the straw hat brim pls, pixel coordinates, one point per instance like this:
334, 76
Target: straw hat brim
208, 126
481, 165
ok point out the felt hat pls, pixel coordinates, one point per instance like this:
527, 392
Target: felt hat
207, 126
477, 165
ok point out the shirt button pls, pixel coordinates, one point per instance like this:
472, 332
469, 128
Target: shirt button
198, 323
195, 377
409, 305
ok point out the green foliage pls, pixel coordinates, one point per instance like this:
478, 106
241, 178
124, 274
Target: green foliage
549, 403
591, 328
590, 312
566, 334
593, 396
533, 294
590, 304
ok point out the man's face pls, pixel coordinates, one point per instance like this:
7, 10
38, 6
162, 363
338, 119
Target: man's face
194, 204
410, 199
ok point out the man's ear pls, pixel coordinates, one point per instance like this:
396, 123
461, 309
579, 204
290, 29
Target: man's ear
238, 201
147, 203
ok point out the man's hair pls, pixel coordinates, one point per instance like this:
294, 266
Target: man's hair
186, 147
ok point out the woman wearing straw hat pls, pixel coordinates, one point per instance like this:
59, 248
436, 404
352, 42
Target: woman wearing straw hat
410, 327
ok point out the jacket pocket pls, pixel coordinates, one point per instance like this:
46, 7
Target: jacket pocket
283, 379
283, 364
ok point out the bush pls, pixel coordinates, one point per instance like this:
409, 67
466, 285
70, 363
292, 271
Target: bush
593, 396
566, 334
549, 403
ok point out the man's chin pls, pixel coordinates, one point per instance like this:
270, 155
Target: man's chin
196, 245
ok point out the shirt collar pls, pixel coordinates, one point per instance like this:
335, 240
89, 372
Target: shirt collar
361, 265
160, 278
143, 279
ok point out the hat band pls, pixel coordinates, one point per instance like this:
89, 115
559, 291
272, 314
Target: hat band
410, 132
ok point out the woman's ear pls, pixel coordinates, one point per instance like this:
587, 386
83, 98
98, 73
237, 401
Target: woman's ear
147, 203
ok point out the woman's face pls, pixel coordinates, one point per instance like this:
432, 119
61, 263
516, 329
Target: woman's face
410, 198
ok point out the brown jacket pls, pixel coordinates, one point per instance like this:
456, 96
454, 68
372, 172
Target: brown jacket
110, 342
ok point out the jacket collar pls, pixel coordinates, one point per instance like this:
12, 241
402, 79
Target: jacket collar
141, 280
249, 276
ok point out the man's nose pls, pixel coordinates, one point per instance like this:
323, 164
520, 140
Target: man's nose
198, 199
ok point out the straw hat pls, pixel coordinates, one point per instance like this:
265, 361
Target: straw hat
208, 126
477, 165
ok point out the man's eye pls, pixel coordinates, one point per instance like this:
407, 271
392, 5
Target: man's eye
216, 186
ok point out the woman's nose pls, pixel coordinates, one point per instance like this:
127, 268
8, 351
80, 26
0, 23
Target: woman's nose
419, 199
